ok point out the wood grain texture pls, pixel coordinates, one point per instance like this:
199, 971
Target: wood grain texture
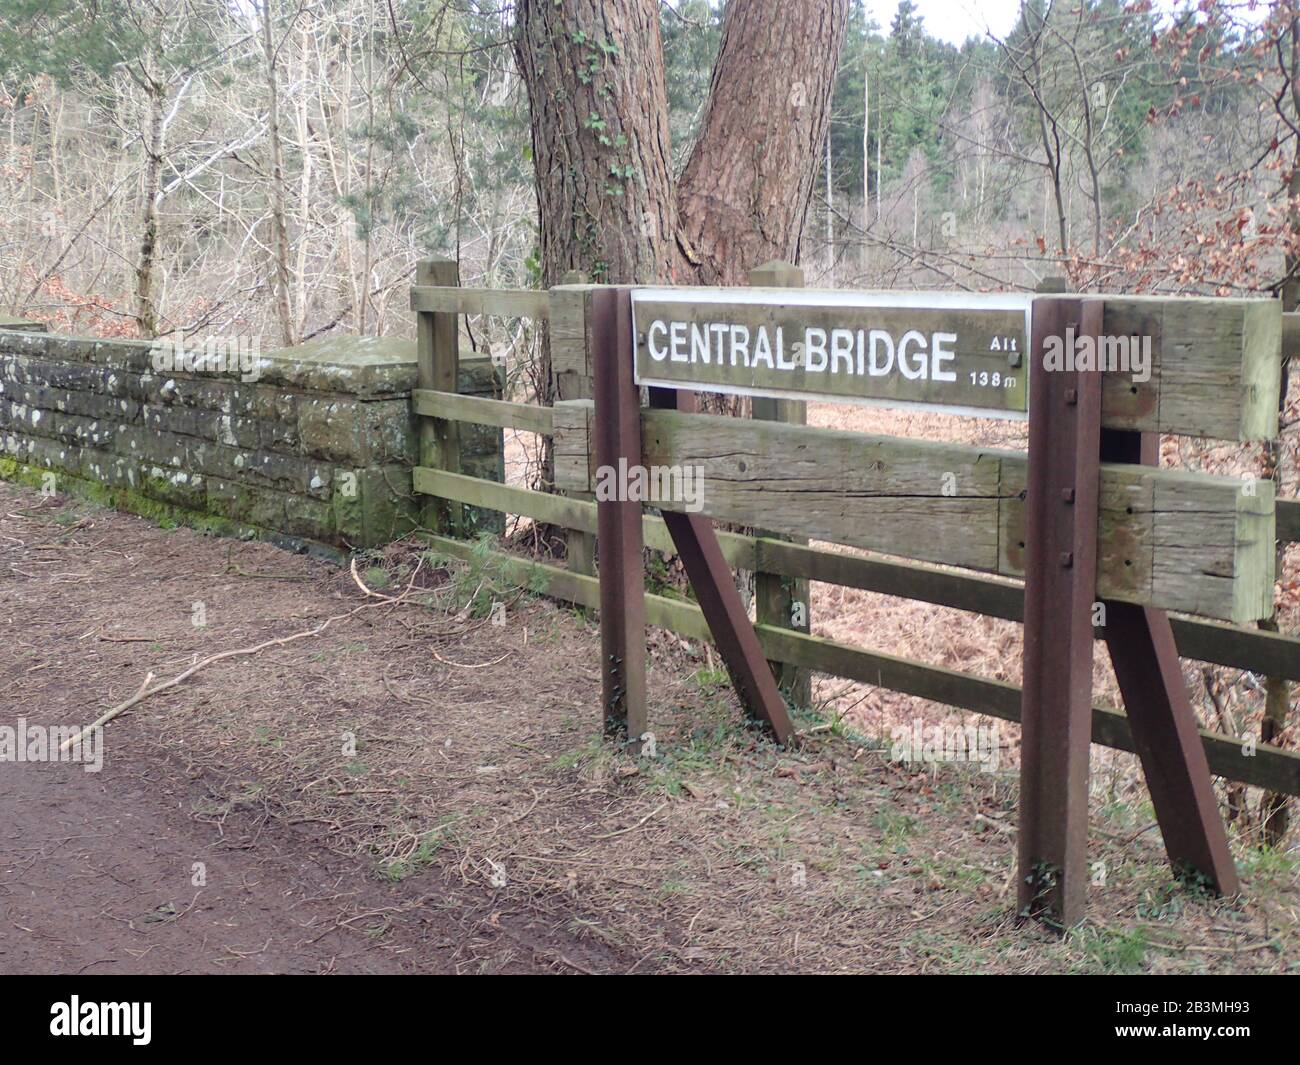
479, 410
437, 346
1266, 653
778, 599
1215, 364
1181, 541
1216, 372
1288, 520
884, 493
571, 435
570, 342
507, 302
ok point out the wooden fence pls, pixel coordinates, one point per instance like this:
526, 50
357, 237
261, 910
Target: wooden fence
1167, 539
568, 424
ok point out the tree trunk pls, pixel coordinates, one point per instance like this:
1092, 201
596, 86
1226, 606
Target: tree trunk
146, 314
743, 197
279, 227
594, 70
607, 201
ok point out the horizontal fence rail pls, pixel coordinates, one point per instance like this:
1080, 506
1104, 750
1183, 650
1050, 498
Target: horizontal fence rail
1270, 767
506, 302
1167, 538
502, 414
1257, 651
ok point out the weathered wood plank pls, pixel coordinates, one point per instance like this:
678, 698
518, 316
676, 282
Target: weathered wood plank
1177, 540
542, 506
1288, 520
1270, 767
1212, 365
883, 493
1290, 333
507, 302
571, 371
781, 600
479, 410
1216, 366
568, 320
1110, 728
1262, 652
1265, 653
571, 449
553, 509
438, 368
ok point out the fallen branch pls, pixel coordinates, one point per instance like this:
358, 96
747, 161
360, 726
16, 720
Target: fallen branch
370, 593
472, 665
145, 691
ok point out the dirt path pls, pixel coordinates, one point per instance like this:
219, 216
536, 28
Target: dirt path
423, 787
132, 869
101, 881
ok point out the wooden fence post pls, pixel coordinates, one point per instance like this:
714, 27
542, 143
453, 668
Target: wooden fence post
782, 601
580, 547
1066, 445
437, 353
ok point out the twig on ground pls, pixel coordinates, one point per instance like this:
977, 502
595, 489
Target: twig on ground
472, 665
145, 691
632, 828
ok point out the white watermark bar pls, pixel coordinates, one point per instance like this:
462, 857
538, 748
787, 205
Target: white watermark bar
233, 356
75, 744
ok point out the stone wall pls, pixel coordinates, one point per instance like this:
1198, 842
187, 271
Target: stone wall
314, 446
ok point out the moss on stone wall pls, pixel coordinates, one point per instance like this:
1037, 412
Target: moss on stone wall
320, 448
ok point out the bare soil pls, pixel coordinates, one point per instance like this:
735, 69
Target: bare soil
422, 787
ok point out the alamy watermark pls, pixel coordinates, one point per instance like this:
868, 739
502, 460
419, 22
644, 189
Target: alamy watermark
74, 1017
232, 355
1111, 354
53, 743
654, 484
918, 742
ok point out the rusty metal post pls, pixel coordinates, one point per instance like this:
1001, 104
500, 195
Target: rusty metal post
618, 521
1060, 584
1161, 718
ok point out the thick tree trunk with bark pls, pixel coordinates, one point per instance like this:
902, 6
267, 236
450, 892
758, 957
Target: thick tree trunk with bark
595, 76
607, 200
743, 197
